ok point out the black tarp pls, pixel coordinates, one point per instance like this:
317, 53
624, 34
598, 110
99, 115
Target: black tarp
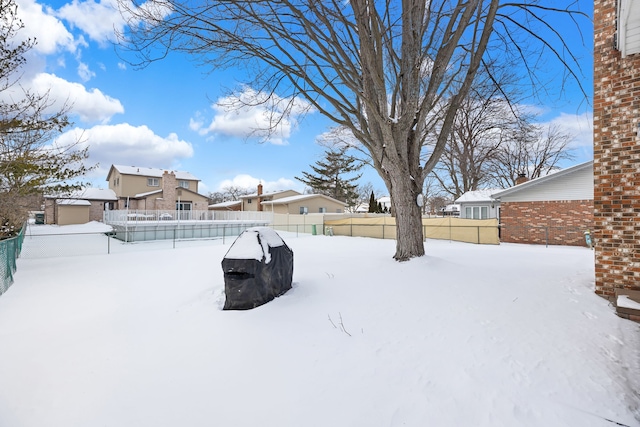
257, 268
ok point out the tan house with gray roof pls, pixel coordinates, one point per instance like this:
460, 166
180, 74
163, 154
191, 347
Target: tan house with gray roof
141, 188
290, 202
79, 207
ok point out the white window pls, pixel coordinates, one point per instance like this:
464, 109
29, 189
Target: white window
628, 27
476, 212
304, 210
183, 184
153, 182
322, 210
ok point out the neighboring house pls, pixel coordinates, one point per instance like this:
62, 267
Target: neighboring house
478, 204
232, 205
155, 189
385, 202
616, 145
304, 204
554, 209
253, 202
451, 210
79, 207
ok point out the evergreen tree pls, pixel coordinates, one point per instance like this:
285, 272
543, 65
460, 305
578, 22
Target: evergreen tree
329, 178
372, 203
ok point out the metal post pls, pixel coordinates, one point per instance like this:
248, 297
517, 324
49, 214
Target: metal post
546, 236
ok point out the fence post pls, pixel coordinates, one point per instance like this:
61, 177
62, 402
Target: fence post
546, 236
478, 234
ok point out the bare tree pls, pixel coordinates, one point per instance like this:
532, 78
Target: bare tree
363, 192
430, 191
533, 150
376, 68
31, 160
484, 117
232, 192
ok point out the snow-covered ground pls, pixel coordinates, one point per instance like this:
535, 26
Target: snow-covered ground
469, 335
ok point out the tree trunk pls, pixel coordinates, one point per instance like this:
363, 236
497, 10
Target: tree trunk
409, 233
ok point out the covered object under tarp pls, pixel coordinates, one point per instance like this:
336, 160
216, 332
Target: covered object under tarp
257, 268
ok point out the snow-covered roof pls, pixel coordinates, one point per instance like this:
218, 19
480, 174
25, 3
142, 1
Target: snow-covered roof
273, 193
478, 196
228, 204
148, 193
87, 194
153, 172
542, 179
73, 202
292, 199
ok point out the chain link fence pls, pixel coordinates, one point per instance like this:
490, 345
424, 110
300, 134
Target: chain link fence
9, 252
51, 245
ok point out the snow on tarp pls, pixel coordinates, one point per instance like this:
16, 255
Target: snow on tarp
257, 268
254, 243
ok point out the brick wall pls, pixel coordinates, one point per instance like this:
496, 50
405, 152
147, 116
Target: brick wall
616, 117
553, 222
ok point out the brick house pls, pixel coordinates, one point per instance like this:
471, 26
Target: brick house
139, 188
616, 128
555, 209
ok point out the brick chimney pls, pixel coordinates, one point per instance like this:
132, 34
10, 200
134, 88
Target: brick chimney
259, 198
522, 178
169, 190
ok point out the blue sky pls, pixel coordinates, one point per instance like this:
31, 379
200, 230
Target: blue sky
167, 114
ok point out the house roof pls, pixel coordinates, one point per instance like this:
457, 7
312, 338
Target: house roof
477, 196
273, 193
149, 193
228, 204
88, 194
542, 180
152, 172
73, 202
299, 197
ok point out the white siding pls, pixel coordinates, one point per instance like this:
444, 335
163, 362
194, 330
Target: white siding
574, 186
628, 27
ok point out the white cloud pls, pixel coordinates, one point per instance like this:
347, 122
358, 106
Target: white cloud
90, 105
253, 114
97, 19
84, 72
128, 145
250, 182
51, 34
122, 66
580, 126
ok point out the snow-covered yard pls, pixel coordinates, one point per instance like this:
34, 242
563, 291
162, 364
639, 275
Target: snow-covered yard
469, 335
